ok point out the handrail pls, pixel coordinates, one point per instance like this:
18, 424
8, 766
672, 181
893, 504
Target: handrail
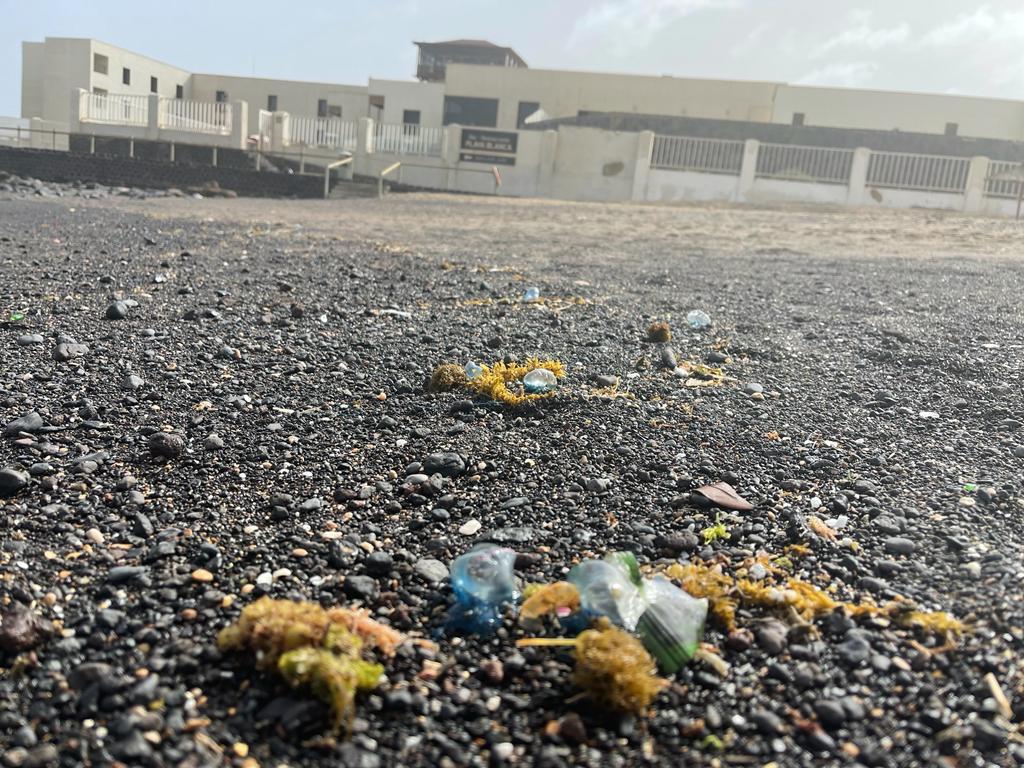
380, 179
327, 173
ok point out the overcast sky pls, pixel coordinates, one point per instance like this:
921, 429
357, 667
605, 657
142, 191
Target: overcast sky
946, 46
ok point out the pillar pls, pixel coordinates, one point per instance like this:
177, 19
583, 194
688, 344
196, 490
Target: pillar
974, 192
644, 148
450, 155
279, 132
75, 116
858, 183
748, 170
153, 117
546, 163
239, 124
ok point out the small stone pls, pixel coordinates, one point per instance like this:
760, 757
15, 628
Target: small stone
447, 464
898, 545
202, 575
378, 563
68, 351
21, 629
169, 445
213, 442
470, 527
30, 423
361, 587
430, 570
598, 485
503, 750
132, 382
29, 339
572, 729
11, 481
830, 713
117, 310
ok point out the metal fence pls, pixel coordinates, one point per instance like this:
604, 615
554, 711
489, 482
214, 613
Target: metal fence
800, 163
683, 153
195, 116
929, 173
397, 139
322, 132
1004, 179
112, 108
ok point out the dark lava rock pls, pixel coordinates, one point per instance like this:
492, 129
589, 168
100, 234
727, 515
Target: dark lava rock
361, 588
31, 422
446, 464
117, 310
21, 629
378, 563
898, 545
168, 445
12, 481
68, 351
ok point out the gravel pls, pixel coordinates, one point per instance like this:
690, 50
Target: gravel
277, 439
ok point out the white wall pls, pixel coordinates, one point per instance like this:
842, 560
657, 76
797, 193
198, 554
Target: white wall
782, 191
887, 110
51, 70
296, 97
400, 95
564, 94
592, 164
678, 186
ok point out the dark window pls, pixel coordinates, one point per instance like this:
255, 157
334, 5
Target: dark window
179, 91
221, 96
153, 85
334, 110
951, 129
410, 117
321, 108
798, 118
272, 103
469, 110
126, 76
100, 63
526, 108
100, 91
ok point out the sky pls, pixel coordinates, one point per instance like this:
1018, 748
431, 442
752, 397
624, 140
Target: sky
941, 46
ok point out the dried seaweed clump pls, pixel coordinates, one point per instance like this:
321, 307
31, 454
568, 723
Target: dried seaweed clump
447, 377
315, 647
803, 600
612, 667
715, 532
503, 383
659, 331
550, 598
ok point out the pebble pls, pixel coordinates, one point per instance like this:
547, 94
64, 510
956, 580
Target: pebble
168, 445
470, 527
12, 481
430, 570
898, 545
29, 339
202, 575
117, 310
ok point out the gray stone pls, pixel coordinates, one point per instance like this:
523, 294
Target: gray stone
12, 481
430, 570
898, 545
31, 422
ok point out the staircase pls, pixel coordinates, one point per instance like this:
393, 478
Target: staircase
350, 190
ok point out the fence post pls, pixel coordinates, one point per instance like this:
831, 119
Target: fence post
153, 117
974, 190
364, 136
239, 124
92, 144
131, 147
172, 151
858, 176
214, 157
644, 148
302, 159
748, 170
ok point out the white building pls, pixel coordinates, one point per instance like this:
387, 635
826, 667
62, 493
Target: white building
500, 96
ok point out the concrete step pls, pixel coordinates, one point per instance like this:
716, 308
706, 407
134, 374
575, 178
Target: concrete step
352, 189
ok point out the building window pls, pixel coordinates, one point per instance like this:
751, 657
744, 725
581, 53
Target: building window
100, 91
100, 63
526, 108
126, 76
469, 110
410, 117
179, 91
951, 129
333, 110
221, 97
321, 108
271, 103
153, 85
798, 118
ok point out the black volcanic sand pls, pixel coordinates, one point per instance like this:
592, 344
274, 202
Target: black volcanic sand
891, 403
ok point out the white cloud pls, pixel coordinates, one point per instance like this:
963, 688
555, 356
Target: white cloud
630, 24
845, 74
981, 25
860, 34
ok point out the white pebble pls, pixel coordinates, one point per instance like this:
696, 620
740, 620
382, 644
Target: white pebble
469, 527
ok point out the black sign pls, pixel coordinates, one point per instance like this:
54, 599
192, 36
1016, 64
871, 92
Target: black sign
489, 141
476, 157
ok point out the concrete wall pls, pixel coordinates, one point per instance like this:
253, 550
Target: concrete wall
887, 111
564, 94
594, 165
293, 96
400, 95
679, 186
51, 70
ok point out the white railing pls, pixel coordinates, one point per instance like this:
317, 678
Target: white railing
195, 116
801, 163
929, 173
113, 109
322, 132
683, 153
407, 140
1004, 179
